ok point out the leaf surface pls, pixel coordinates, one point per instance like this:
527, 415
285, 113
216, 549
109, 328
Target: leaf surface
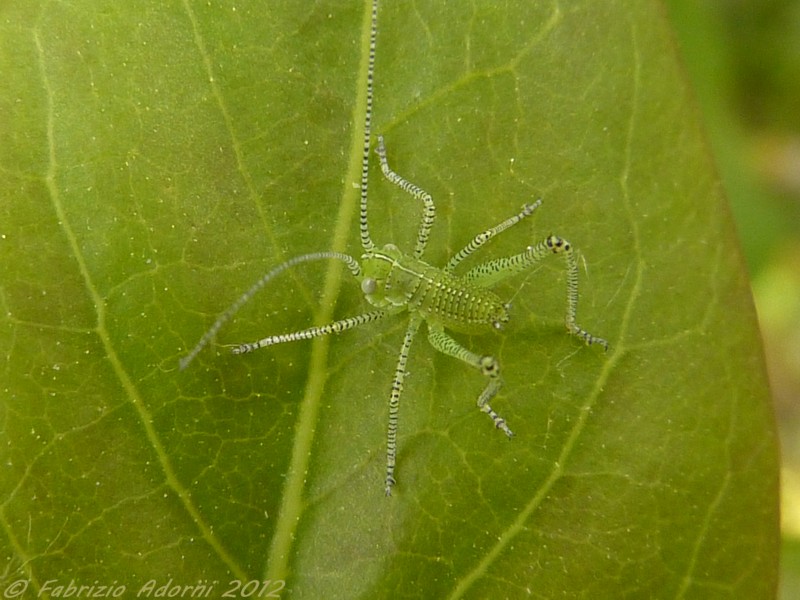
158, 158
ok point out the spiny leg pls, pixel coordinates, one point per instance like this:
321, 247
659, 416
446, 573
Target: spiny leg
311, 332
394, 401
494, 271
428, 210
483, 237
487, 365
351, 263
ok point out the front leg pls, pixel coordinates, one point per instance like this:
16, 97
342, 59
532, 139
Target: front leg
428, 210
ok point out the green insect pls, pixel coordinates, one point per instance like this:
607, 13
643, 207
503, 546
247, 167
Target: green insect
393, 281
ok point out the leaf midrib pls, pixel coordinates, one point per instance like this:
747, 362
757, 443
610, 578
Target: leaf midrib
292, 500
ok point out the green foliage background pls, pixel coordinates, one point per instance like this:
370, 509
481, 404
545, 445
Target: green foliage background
158, 157
744, 62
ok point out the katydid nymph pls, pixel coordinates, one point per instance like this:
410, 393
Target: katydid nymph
394, 282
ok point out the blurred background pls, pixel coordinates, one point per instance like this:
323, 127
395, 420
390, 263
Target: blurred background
743, 59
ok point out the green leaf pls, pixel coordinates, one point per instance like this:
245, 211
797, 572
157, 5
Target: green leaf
157, 158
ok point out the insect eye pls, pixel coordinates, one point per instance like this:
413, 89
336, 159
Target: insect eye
369, 285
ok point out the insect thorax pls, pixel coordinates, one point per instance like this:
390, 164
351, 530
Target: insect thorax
395, 281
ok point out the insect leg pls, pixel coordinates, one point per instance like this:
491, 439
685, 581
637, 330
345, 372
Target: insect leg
487, 365
351, 263
494, 271
428, 211
311, 332
483, 237
394, 401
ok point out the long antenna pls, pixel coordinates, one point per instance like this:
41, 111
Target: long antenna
366, 240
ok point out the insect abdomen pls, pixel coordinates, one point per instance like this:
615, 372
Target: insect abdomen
457, 305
